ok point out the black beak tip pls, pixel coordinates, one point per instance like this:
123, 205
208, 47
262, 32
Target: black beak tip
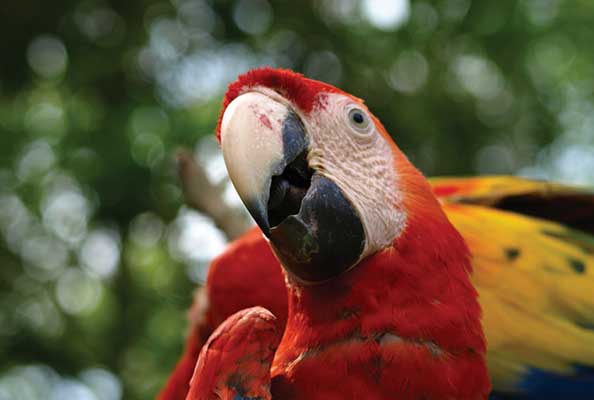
259, 211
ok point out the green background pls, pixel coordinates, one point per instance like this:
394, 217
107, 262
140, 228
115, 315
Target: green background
98, 255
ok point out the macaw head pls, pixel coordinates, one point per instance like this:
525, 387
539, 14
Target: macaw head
316, 170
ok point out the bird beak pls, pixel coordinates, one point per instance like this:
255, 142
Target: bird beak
314, 230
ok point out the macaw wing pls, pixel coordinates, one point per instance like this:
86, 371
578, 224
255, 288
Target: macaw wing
534, 271
568, 205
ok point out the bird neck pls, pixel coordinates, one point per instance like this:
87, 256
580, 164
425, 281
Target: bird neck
417, 289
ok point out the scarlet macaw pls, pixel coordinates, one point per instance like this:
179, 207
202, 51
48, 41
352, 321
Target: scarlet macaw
380, 303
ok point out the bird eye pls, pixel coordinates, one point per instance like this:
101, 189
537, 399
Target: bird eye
359, 120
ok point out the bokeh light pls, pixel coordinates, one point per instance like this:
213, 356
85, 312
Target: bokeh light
194, 240
386, 14
409, 73
100, 253
47, 56
253, 16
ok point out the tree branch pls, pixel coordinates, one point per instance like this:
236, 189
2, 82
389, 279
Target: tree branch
207, 198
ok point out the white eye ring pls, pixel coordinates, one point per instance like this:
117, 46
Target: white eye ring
359, 121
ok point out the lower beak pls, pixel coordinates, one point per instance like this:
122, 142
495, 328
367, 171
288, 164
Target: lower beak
314, 230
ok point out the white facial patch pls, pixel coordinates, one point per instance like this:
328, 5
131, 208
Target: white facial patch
362, 165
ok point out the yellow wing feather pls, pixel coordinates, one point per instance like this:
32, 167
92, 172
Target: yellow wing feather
489, 189
535, 280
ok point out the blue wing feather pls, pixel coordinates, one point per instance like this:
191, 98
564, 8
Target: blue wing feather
544, 385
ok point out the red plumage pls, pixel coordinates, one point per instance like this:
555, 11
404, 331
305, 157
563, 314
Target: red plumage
420, 308
421, 292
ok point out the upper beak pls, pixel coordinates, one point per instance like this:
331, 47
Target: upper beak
314, 230
260, 137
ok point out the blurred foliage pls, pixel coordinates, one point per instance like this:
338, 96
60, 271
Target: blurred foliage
98, 256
